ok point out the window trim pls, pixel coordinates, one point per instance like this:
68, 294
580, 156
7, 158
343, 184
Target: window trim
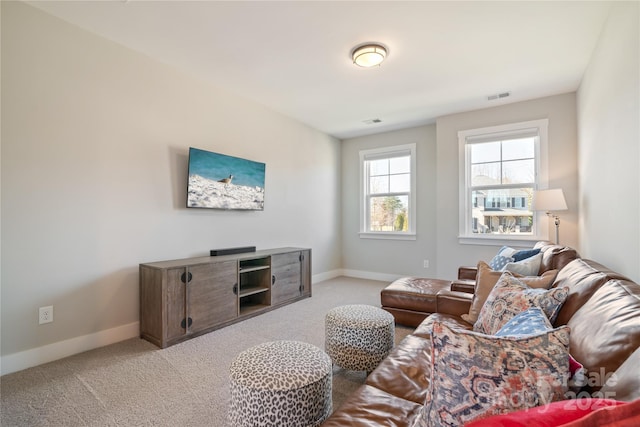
383, 152
541, 229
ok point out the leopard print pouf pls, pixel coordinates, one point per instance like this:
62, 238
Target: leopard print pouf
280, 384
358, 337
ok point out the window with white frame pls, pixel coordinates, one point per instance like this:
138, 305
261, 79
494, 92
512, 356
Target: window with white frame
387, 190
500, 167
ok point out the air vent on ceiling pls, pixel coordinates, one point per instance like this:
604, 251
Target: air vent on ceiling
372, 121
498, 96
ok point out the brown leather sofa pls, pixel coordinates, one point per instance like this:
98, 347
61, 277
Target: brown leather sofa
602, 310
412, 299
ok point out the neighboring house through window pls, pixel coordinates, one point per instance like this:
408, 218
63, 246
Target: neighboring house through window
387, 192
500, 167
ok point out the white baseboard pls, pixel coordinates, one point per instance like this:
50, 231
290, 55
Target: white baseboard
48, 353
383, 277
55, 351
358, 274
316, 278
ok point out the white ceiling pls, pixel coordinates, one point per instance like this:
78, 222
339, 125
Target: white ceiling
444, 57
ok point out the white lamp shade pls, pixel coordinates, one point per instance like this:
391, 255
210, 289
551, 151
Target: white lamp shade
369, 55
549, 200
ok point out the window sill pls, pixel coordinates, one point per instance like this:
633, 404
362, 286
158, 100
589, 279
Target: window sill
501, 240
388, 236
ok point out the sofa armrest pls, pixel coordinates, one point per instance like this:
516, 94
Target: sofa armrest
467, 286
467, 273
453, 303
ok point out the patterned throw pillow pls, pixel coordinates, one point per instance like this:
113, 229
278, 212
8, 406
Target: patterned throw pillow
499, 262
533, 322
486, 279
502, 258
530, 322
510, 296
476, 376
507, 255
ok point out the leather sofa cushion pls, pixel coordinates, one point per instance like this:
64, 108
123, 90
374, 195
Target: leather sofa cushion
582, 277
406, 371
555, 257
454, 303
406, 317
369, 406
464, 285
605, 331
424, 329
625, 385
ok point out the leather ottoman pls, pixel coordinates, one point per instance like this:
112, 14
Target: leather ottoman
411, 299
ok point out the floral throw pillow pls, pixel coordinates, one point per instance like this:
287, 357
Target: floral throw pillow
510, 297
475, 376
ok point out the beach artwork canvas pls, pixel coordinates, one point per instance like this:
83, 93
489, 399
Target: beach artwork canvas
218, 181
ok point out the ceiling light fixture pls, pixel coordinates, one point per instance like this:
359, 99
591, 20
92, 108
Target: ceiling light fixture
369, 55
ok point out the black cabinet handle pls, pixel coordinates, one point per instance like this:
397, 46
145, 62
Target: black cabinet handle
186, 278
186, 323
273, 280
235, 289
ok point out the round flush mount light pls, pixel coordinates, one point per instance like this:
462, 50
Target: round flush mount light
369, 55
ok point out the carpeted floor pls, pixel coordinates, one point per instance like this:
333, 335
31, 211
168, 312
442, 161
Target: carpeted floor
134, 383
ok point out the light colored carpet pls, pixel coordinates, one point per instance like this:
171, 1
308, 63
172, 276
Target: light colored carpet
134, 383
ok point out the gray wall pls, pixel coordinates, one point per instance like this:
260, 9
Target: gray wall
390, 258
438, 190
95, 142
563, 172
609, 131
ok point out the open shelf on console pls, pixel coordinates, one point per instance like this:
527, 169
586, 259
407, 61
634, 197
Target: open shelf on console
251, 290
256, 301
253, 268
254, 264
255, 284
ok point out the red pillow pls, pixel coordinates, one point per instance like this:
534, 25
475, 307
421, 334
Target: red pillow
620, 416
551, 415
574, 365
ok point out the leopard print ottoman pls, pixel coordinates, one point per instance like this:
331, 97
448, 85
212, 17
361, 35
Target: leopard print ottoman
279, 384
358, 337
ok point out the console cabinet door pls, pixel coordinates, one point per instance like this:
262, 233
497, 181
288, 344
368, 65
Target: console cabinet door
305, 274
286, 271
212, 300
176, 304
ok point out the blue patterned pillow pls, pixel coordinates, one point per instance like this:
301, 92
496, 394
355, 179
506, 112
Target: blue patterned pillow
530, 322
498, 262
476, 376
504, 256
524, 254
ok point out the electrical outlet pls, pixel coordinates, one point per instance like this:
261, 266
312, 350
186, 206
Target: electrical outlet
426, 263
45, 314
